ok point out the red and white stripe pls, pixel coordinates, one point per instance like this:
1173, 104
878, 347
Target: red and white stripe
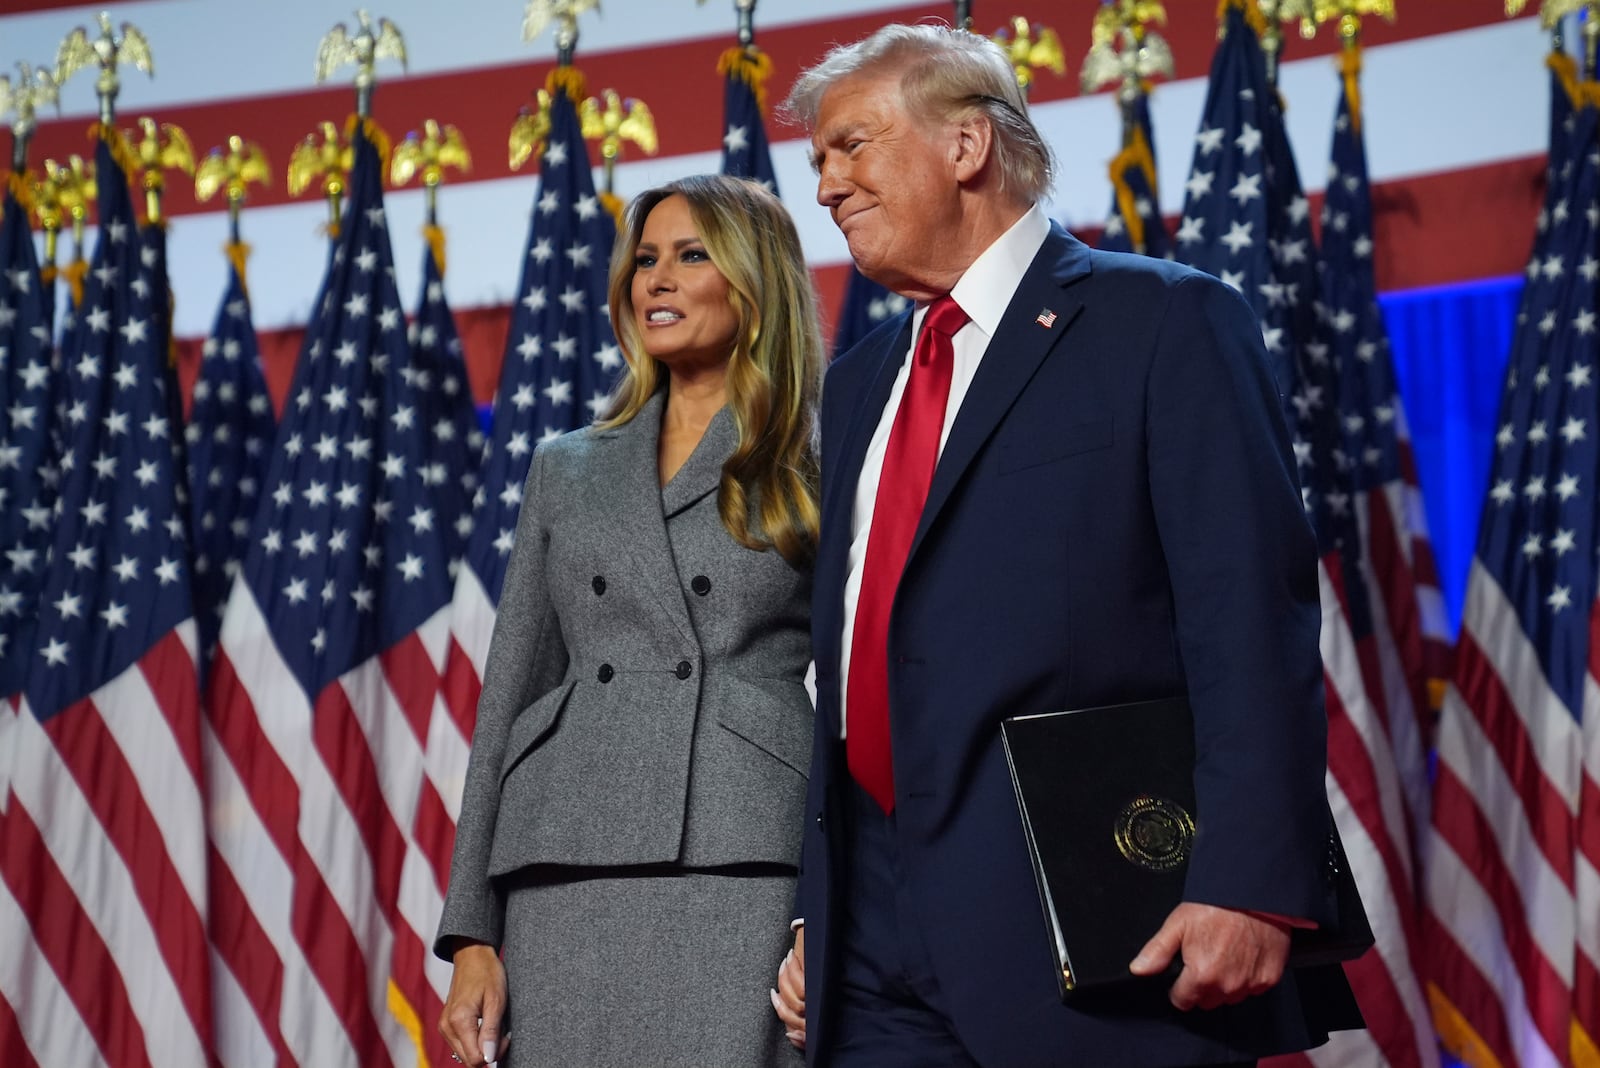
1365, 793
1511, 861
325, 903
103, 875
1411, 645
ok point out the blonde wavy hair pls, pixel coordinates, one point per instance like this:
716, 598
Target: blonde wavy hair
768, 494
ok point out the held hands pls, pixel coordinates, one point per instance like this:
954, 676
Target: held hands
789, 998
1227, 955
475, 1006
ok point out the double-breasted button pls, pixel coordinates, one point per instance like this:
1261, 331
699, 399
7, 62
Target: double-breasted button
599, 585
605, 674
700, 584
684, 669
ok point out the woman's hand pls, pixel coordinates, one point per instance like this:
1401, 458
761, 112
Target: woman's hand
789, 998
475, 1006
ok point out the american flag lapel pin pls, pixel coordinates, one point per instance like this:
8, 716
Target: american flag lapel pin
1046, 318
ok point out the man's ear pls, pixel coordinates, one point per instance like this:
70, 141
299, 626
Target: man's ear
974, 147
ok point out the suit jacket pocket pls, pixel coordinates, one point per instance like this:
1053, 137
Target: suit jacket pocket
1019, 452
533, 724
774, 715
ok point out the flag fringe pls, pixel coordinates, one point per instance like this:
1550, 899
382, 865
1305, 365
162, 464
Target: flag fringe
569, 80
434, 236
751, 66
1136, 154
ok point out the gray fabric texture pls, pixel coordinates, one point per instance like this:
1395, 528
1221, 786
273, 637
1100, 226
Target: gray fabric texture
643, 704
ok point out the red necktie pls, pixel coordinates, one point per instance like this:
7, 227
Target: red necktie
908, 465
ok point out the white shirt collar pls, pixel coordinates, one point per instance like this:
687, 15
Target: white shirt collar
985, 290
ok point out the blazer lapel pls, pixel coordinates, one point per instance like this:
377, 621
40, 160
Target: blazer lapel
701, 473
1037, 318
632, 508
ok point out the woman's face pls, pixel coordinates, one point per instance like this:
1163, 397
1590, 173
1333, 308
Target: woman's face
680, 298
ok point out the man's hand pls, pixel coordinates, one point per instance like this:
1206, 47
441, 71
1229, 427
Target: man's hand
475, 1006
789, 997
1227, 955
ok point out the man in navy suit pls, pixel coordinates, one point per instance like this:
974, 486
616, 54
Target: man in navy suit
1111, 514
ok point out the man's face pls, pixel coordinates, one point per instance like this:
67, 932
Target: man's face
889, 181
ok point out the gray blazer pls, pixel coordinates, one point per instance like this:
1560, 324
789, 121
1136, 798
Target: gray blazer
643, 700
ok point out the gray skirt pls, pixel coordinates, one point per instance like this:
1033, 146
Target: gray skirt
655, 968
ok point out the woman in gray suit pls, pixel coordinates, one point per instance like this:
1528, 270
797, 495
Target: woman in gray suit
631, 820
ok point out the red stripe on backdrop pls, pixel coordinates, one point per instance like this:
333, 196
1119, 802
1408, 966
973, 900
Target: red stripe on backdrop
108, 784
461, 688
678, 81
1478, 223
273, 791
248, 953
169, 670
409, 670
1545, 807
1458, 980
17, 1053
1458, 820
69, 941
412, 979
331, 949
434, 833
354, 770
1385, 1014
1398, 586
1351, 765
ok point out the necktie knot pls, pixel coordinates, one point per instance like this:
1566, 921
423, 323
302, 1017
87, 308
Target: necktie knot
945, 316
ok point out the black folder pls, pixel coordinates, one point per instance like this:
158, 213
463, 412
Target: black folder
1108, 809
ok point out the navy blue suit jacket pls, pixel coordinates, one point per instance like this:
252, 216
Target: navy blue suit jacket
1115, 516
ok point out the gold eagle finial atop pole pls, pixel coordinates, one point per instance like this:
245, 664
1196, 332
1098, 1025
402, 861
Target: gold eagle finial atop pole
44, 197
564, 13
428, 154
1348, 13
530, 130
1551, 12
107, 51
1031, 47
232, 169
158, 149
34, 89
329, 159
1127, 53
363, 49
613, 123
74, 188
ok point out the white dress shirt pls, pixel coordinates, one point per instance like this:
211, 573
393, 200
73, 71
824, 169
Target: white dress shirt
983, 292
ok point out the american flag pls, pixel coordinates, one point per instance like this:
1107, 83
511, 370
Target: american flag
229, 431
102, 850
867, 305
1133, 182
455, 441
322, 696
27, 473
1513, 873
1410, 628
1247, 220
745, 153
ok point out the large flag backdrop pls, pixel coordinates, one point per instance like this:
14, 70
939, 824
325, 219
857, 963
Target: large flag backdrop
103, 876
1457, 87
1247, 221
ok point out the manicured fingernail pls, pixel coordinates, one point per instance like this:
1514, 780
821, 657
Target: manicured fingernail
797, 1038
490, 1050
777, 1002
